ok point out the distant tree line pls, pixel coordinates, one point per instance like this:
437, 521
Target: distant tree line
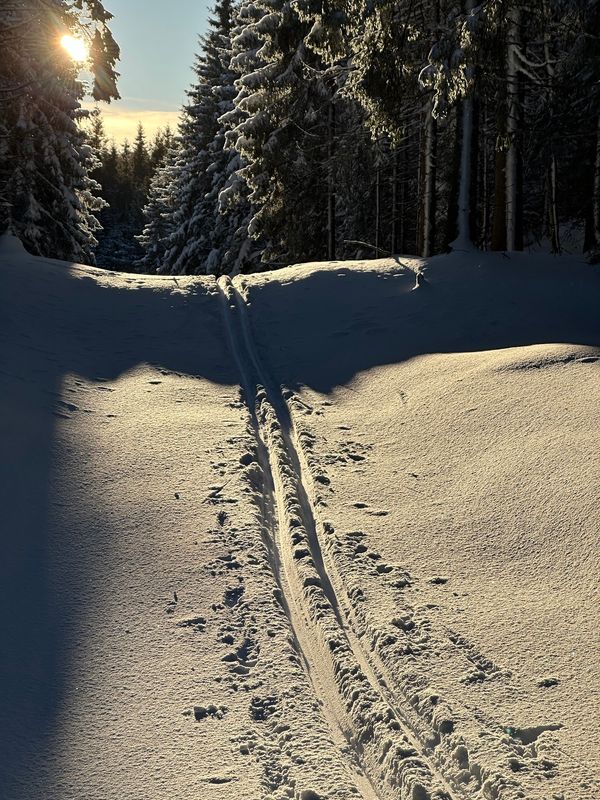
124, 172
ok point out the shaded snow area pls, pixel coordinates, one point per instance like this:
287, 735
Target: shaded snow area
324, 533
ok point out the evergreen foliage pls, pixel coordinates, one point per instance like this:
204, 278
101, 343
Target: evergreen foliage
47, 194
314, 130
357, 129
125, 174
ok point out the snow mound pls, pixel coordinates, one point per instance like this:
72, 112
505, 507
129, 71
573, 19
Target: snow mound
11, 245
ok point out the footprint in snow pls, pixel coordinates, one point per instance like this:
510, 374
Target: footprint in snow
196, 623
209, 712
546, 683
233, 596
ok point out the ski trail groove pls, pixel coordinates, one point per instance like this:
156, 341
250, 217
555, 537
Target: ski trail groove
361, 711
338, 723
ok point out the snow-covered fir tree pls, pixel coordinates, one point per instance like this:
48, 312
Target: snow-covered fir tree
237, 251
200, 157
47, 196
283, 139
159, 213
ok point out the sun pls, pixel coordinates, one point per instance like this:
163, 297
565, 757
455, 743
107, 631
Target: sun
76, 48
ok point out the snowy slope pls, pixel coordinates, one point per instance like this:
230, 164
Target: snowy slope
371, 573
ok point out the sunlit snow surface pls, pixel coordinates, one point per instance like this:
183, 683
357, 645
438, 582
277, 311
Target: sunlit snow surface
375, 575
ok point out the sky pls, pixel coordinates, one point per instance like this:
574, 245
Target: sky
158, 42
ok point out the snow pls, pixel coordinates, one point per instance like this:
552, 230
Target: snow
373, 573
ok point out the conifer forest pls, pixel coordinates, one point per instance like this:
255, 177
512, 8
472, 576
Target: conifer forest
314, 131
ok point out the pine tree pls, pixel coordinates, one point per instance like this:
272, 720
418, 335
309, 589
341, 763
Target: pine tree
240, 252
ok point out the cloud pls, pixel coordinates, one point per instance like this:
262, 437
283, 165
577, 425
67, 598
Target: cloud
120, 122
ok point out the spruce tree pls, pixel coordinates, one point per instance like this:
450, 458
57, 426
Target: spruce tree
190, 243
283, 137
159, 213
47, 196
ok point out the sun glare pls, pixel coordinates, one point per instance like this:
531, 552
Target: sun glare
76, 48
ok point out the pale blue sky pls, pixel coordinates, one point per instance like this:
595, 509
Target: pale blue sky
158, 41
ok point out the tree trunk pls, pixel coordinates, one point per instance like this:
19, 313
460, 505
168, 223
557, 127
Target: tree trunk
331, 197
514, 194
474, 227
485, 200
551, 175
596, 196
463, 240
395, 186
499, 213
377, 209
429, 181
420, 189
552, 205
591, 242
403, 189
430, 168
454, 178
464, 223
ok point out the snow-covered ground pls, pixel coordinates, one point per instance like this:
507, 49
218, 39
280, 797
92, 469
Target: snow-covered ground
323, 533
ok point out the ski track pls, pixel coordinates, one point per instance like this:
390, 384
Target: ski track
387, 758
398, 738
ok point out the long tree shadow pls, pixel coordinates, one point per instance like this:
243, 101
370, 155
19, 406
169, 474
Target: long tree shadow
340, 322
57, 321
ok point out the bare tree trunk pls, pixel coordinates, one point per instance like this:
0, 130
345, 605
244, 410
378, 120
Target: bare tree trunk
552, 205
499, 213
395, 182
429, 181
551, 175
331, 197
474, 195
419, 245
377, 208
454, 179
485, 200
463, 239
513, 131
402, 209
596, 196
